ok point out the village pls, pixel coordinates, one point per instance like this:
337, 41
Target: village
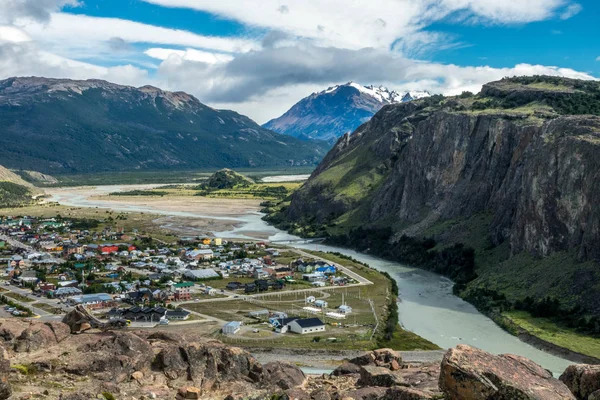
249, 290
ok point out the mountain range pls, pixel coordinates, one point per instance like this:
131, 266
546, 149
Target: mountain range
497, 190
65, 126
340, 109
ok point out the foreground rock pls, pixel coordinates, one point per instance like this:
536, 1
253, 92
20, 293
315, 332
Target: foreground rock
5, 388
472, 374
48, 362
583, 381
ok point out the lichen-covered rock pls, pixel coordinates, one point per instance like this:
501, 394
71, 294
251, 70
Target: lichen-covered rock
378, 376
114, 358
582, 380
284, 375
37, 336
468, 373
366, 393
387, 358
346, 368
406, 393
61, 331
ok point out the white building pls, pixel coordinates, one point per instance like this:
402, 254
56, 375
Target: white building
304, 326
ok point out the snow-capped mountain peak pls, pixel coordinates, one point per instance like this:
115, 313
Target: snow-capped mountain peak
339, 109
380, 93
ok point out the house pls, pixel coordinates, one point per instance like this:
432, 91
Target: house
321, 303
281, 325
309, 325
262, 285
182, 291
234, 286
316, 277
177, 315
201, 254
67, 291
327, 270
201, 274
108, 248
231, 328
280, 273
97, 300
305, 268
344, 309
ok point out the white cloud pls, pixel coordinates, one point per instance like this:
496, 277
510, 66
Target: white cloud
571, 11
12, 34
26, 59
188, 55
264, 83
38, 10
67, 31
364, 23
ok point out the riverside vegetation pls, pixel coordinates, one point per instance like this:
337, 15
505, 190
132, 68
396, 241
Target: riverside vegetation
495, 190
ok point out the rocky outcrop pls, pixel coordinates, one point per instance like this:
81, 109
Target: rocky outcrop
37, 336
113, 358
583, 381
284, 375
378, 376
472, 374
166, 365
5, 388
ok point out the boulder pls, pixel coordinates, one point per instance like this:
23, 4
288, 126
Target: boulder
320, 394
387, 358
468, 373
406, 393
61, 331
5, 388
37, 336
295, 394
378, 376
189, 392
582, 380
284, 375
346, 368
366, 393
114, 358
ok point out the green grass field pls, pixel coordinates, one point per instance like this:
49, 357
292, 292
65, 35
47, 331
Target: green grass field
551, 332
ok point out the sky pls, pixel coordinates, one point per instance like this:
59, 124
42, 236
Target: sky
259, 57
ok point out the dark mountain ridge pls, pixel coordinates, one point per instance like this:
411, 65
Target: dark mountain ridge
61, 125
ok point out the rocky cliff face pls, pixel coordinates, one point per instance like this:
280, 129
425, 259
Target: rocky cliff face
515, 153
61, 125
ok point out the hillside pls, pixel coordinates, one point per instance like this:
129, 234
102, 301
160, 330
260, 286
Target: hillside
227, 179
510, 173
329, 114
14, 191
59, 126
